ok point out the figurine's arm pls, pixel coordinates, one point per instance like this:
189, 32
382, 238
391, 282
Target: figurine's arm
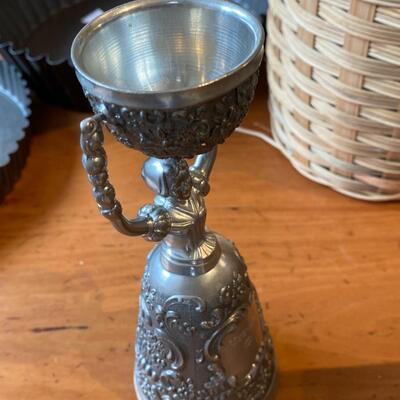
204, 163
201, 170
153, 223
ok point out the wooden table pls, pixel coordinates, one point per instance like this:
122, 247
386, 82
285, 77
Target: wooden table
327, 269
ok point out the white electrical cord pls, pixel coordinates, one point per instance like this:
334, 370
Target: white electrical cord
261, 135
265, 136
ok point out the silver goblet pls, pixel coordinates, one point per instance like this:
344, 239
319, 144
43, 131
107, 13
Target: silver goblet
173, 79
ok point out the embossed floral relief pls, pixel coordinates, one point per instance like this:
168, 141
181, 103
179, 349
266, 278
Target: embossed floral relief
178, 133
163, 323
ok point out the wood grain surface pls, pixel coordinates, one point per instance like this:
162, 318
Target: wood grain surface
326, 268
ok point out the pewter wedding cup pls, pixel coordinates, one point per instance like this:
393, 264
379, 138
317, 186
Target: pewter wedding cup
173, 79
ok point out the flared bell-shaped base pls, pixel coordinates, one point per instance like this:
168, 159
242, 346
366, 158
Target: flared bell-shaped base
202, 337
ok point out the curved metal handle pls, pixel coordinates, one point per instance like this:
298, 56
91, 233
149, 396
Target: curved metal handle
95, 162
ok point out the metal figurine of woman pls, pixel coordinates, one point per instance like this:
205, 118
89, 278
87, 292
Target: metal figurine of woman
201, 334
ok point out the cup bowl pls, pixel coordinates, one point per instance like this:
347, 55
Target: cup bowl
170, 77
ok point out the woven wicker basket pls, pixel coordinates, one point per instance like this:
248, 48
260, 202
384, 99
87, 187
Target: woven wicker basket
334, 77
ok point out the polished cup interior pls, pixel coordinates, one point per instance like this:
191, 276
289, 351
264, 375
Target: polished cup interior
168, 47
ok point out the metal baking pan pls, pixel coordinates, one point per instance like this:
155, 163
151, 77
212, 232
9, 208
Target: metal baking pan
257, 7
14, 117
37, 35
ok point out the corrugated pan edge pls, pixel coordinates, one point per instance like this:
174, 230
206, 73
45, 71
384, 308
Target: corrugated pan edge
12, 83
54, 81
